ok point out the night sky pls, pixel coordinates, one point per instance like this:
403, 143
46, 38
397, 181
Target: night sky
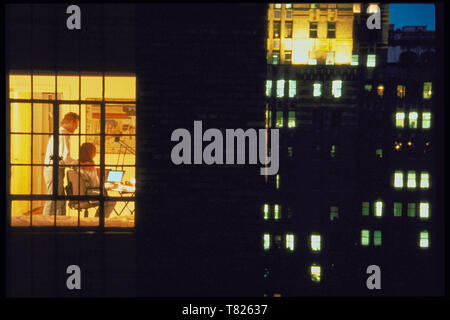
412, 15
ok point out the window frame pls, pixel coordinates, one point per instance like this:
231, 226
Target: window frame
55, 134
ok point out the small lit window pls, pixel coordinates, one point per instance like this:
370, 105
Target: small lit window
426, 120
379, 152
312, 62
373, 8
276, 29
292, 88
355, 60
424, 180
277, 212
371, 60
315, 242
317, 89
398, 179
397, 209
368, 87
377, 238
278, 5
413, 120
334, 213
288, 5
427, 90
279, 119
329, 58
288, 56
280, 88
266, 211
290, 242
337, 88
365, 208
380, 90
275, 58
400, 119
315, 273
357, 8
424, 240
424, 210
411, 210
378, 208
333, 151
276, 44
266, 241
411, 181
268, 88
291, 119
365, 237
401, 91
288, 28
277, 181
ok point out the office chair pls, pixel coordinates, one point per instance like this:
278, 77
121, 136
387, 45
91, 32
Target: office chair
72, 189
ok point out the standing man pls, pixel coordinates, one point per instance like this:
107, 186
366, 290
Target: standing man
68, 126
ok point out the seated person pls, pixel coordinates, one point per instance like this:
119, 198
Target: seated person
88, 174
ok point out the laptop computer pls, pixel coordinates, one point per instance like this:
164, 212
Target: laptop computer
115, 176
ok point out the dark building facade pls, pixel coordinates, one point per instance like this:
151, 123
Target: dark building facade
226, 230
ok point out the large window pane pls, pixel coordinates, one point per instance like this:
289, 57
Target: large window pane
68, 87
20, 179
39, 185
20, 86
120, 88
20, 213
43, 117
44, 87
20, 117
20, 148
90, 119
119, 214
40, 142
91, 88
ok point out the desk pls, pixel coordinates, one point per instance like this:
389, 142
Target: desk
123, 190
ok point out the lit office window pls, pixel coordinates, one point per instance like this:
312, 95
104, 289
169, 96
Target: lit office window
373, 8
288, 5
401, 91
398, 179
288, 29
411, 210
334, 213
275, 58
280, 88
315, 242
276, 44
279, 119
357, 8
290, 242
427, 90
277, 181
378, 207
315, 271
426, 120
266, 239
365, 237
413, 120
379, 152
368, 87
278, 5
266, 211
77, 112
371, 60
400, 119
329, 58
380, 90
292, 88
377, 238
411, 179
424, 241
268, 88
277, 212
291, 119
424, 210
337, 88
398, 209
333, 151
365, 208
355, 60
317, 89
424, 180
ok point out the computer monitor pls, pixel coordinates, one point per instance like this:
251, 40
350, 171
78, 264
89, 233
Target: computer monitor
114, 176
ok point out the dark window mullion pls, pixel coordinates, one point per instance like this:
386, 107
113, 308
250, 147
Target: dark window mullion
102, 155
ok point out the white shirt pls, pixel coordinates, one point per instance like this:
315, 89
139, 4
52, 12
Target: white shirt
64, 149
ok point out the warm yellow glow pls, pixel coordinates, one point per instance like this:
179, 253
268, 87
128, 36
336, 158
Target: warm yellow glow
20, 179
120, 88
357, 8
287, 44
20, 86
380, 90
400, 119
20, 149
20, 117
19, 209
68, 87
91, 87
44, 86
373, 8
315, 273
